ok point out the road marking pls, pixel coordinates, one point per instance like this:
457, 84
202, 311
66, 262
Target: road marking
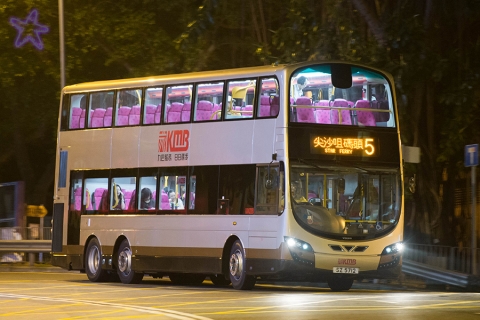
169, 313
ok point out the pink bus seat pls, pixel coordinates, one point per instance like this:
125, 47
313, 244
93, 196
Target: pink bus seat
346, 119
132, 201
97, 197
107, 120
81, 123
365, 118
217, 111
128, 197
134, 116
381, 105
248, 111
78, 199
122, 116
204, 110
187, 106
149, 117
158, 113
274, 106
174, 113
75, 119
264, 110
322, 115
305, 114
165, 201
97, 120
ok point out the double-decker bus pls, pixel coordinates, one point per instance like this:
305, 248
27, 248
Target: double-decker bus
283, 172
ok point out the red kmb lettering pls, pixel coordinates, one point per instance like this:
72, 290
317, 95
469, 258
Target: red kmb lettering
347, 261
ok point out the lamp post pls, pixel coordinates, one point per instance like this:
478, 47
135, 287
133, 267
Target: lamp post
62, 44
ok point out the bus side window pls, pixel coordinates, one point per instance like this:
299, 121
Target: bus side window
77, 107
97, 195
146, 198
127, 111
122, 191
209, 101
268, 105
178, 101
173, 192
241, 99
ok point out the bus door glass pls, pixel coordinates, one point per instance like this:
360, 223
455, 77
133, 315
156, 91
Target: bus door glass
268, 198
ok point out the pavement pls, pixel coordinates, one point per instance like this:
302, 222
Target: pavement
407, 283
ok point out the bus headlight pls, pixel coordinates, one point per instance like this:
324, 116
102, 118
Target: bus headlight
393, 248
298, 244
301, 251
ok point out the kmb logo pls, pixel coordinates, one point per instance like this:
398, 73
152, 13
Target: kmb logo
347, 261
173, 140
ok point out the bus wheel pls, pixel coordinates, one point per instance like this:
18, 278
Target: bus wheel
237, 267
219, 280
93, 262
340, 284
124, 265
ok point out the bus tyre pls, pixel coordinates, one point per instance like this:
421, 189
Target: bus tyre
93, 262
124, 265
340, 284
219, 280
237, 267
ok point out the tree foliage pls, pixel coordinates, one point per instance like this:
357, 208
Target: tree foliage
430, 47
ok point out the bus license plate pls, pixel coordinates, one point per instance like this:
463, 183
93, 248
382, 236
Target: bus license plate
345, 270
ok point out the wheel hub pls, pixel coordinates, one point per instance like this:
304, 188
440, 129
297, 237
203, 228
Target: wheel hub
236, 264
125, 261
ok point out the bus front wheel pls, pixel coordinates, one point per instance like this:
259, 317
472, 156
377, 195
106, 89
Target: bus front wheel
237, 268
93, 262
124, 265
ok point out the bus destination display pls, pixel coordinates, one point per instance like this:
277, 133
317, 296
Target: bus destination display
343, 146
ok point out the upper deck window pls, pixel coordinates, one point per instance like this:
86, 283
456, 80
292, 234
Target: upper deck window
208, 105
153, 105
100, 102
127, 111
178, 104
318, 97
269, 103
241, 97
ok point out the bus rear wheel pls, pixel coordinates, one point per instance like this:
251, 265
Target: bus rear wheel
340, 284
124, 265
237, 267
93, 262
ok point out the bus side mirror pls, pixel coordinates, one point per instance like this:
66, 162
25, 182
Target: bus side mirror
411, 184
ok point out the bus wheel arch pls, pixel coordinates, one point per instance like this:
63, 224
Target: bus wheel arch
237, 268
93, 261
123, 263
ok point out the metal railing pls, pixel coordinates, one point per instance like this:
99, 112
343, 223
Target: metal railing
18, 241
458, 259
441, 264
26, 233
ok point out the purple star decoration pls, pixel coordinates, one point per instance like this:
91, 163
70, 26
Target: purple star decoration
34, 29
